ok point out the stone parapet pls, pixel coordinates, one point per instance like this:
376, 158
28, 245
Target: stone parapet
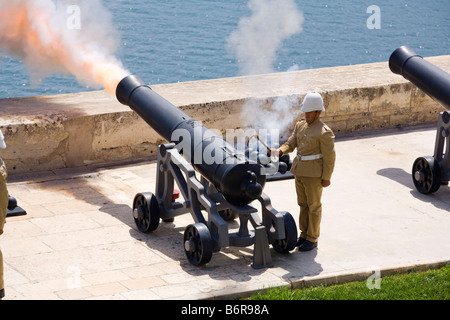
72, 130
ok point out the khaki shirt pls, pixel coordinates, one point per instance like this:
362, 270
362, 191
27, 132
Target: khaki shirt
312, 139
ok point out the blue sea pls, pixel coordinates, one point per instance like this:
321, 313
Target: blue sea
168, 41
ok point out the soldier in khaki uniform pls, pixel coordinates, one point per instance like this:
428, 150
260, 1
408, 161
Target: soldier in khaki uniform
3, 209
312, 167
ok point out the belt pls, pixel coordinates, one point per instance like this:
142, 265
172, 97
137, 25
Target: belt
308, 158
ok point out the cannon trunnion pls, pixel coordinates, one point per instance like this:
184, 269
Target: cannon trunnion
429, 172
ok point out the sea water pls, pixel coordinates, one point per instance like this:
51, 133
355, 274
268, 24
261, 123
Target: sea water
167, 41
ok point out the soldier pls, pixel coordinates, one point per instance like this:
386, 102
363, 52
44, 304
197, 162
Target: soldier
312, 167
3, 209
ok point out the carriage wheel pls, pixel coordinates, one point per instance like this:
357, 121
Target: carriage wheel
198, 244
228, 214
146, 212
426, 175
290, 241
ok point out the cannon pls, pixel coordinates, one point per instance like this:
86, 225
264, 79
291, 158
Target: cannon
229, 182
429, 172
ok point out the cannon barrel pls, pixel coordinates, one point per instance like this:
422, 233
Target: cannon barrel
238, 179
430, 79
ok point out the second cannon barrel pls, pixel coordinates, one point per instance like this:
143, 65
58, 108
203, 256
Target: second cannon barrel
430, 79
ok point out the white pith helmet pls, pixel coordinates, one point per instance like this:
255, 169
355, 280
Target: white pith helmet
313, 102
2, 141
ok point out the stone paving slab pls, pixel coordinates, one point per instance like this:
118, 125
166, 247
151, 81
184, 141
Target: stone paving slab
79, 240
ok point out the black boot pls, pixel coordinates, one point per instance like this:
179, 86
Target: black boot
307, 246
2, 294
300, 241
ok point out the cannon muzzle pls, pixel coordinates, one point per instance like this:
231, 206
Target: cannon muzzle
239, 180
430, 79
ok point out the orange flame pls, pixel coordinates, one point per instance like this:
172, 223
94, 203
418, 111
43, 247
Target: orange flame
26, 31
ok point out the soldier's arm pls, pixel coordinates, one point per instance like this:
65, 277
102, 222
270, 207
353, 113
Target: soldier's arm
290, 144
329, 154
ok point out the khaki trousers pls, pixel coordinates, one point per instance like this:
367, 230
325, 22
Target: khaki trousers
309, 194
3, 211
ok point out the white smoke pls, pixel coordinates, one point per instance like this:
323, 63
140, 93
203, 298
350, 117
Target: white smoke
255, 44
62, 36
258, 37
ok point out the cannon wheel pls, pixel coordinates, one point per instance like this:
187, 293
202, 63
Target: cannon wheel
228, 214
198, 244
146, 212
287, 244
426, 175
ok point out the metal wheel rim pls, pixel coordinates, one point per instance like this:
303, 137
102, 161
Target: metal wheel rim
426, 175
228, 214
143, 220
146, 212
289, 242
198, 239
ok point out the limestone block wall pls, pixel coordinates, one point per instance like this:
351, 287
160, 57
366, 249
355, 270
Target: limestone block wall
379, 107
72, 130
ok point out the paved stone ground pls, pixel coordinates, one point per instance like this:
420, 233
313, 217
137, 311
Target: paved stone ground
79, 240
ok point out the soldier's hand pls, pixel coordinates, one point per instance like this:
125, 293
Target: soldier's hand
274, 152
326, 183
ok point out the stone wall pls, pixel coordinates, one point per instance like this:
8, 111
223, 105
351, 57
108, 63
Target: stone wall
72, 130
379, 107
